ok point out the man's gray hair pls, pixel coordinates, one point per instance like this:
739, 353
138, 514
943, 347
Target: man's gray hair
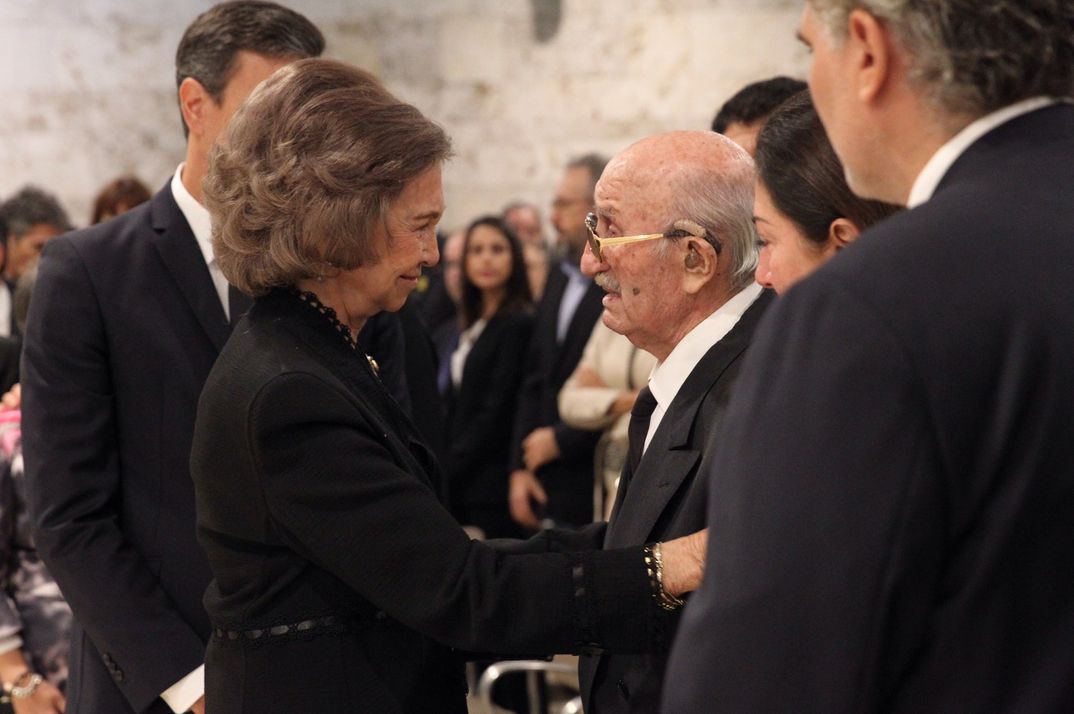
974, 56
30, 207
594, 164
720, 200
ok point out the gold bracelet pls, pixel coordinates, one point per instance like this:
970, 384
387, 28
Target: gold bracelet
667, 601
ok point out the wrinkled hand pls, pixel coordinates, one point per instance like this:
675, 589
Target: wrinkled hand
524, 486
684, 562
46, 700
586, 377
539, 448
13, 398
198, 707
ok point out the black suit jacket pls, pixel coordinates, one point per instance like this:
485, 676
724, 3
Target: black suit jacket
568, 480
663, 500
480, 416
316, 499
891, 503
123, 329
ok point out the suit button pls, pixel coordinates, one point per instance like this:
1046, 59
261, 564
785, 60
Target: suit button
380, 616
624, 691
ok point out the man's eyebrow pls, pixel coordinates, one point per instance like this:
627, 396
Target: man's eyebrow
758, 219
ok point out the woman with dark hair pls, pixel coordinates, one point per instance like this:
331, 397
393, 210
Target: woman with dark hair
803, 208
486, 369
340, 583
118, 196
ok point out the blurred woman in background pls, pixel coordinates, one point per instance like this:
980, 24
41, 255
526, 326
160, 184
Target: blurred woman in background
486, 369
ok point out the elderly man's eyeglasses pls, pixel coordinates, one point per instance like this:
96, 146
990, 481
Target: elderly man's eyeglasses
682, 229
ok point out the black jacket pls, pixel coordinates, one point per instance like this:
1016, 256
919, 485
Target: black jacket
123, 328
892, 499
663, 500
480, 416
568, 480
316, 500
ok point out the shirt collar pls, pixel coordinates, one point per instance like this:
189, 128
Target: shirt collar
197, 216
668, 376
926, 182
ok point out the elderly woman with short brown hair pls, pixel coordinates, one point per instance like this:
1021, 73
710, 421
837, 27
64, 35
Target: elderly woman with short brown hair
340, 582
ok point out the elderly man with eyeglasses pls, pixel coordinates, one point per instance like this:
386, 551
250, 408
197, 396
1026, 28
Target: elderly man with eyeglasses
672, 243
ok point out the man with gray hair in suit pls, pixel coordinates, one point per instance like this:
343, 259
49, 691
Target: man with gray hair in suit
891, 503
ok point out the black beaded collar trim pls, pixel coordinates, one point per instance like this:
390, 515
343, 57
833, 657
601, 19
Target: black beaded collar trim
330, 314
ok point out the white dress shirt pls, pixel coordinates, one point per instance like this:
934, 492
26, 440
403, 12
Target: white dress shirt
936, 168
201, 225
668, 376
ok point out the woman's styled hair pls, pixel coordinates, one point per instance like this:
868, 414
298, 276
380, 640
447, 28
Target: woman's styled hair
796, 163
517, 290
306, 170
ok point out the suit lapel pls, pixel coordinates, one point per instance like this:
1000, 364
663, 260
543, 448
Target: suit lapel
178, 248
671, 455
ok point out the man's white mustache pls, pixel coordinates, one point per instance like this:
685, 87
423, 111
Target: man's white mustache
607, 281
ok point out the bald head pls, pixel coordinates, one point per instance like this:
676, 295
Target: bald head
697, 175
686, 198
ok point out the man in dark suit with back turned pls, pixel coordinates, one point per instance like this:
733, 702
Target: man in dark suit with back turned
127, 318
690, 300
552, 462
891, 504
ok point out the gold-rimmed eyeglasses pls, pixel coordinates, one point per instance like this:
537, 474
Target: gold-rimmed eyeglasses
682, 229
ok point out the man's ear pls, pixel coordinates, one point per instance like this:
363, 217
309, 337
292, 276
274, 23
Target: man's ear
841, 233
872, 46
193, 98
700, 265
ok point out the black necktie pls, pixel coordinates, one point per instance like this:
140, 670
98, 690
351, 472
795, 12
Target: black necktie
638, 428
237, 303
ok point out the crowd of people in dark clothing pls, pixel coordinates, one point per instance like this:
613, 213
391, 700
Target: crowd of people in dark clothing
764, 418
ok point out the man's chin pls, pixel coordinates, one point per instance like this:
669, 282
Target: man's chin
612, 321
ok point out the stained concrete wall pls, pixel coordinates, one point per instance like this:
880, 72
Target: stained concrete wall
521, 85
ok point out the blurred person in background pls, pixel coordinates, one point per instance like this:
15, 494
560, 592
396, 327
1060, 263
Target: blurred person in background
599, 397
33, 217
552, 463
743, 115
118, 196
525, 220
486, 369
35, 620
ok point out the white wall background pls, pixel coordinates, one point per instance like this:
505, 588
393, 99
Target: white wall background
87, 86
